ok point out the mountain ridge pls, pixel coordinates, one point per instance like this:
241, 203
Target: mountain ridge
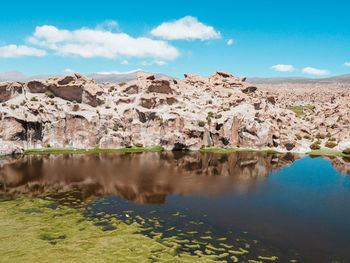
101, 77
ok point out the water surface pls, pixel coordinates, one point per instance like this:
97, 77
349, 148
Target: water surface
289, 206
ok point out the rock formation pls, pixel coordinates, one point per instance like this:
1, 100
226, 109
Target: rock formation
220, 110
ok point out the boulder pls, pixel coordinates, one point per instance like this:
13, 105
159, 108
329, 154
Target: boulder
9, 90
37, 86
160, 86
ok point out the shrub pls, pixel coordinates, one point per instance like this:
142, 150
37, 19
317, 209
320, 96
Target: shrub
307, 137
33, 99
208, 120
218, 116
139, 145
49, 94
201, 123
330, 144
298, 137
346, 151
332, 139
320, 136
122, 84
115, 127
210, 102
210, 114
108, 107
127, 146
315, 146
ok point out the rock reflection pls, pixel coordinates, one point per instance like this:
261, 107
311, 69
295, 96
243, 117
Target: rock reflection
141, 178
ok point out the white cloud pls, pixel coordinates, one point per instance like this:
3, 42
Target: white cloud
283, 68
119, 72
229, 42
315, 71
108, 25
68, 70
347, 64
90, 43
14, 51
149, 63
188, 28
124, 62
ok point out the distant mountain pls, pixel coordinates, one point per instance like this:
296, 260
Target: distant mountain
337, 79
18, 76
101, 77
12, 76
115, 77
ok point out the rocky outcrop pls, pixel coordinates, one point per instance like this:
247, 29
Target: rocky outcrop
73, 88
220, 110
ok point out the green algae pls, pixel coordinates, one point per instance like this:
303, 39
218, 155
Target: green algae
233, 150
192, 246
327, 152
225, 245
94, 150
240, 251
61, 234
234, 258
211, 247
272, 258
206, 237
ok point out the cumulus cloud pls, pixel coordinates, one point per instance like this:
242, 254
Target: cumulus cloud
347, 64
188, 28
315, 71
283, 68
149, 63
90, 43
124, 62
68, 70
229, 42
14, 51
108, 25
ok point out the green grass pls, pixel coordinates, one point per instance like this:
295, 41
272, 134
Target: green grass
133, 149
299, 110
232, 150
327, 152
31, 231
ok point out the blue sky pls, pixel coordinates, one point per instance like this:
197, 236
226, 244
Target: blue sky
269, 38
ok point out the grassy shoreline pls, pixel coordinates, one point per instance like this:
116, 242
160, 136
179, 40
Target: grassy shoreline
135, 149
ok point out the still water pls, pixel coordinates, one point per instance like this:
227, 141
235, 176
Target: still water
257, 207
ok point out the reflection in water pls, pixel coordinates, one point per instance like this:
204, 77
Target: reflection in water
141, 178
293, 207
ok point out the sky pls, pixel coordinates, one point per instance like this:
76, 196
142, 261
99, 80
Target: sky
246, 38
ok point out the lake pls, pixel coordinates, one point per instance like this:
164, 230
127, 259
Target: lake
238, 207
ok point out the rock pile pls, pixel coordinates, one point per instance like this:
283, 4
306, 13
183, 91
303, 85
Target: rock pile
220, 110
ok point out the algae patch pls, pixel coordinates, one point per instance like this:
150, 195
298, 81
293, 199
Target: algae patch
61, 234
133, 149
